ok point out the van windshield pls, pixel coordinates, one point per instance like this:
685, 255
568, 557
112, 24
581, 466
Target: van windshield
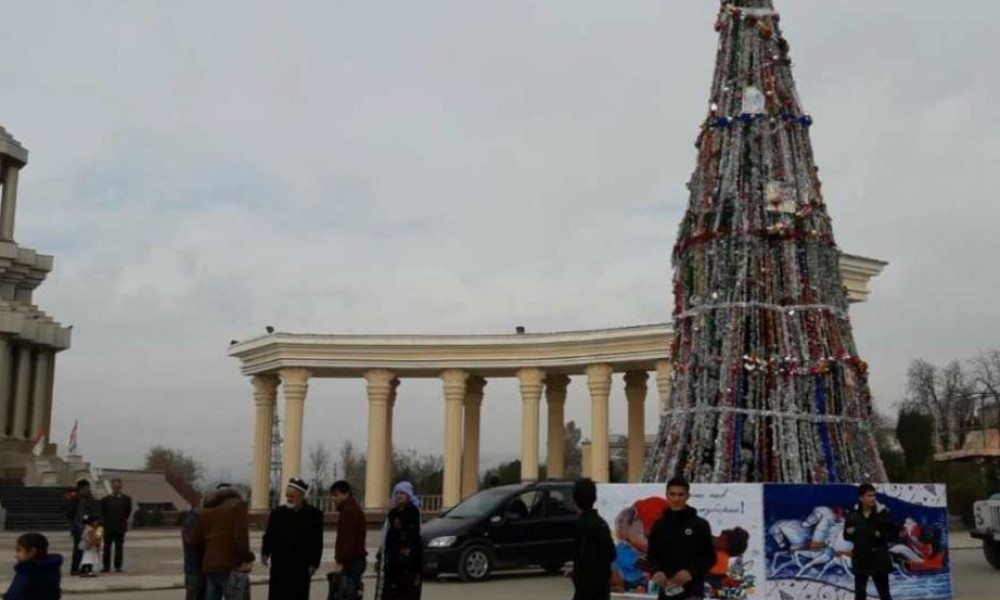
482, 504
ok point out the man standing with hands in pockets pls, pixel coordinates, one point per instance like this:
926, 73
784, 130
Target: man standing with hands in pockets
681, 550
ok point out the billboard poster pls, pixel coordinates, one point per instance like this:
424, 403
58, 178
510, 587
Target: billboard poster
734, 512
807, 556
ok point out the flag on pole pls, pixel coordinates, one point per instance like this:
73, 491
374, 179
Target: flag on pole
40, 442
72, 438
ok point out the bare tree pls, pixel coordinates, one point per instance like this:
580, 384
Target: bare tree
945, 395
319, 463
353, 464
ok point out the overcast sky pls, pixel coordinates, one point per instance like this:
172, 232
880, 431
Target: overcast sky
203, 169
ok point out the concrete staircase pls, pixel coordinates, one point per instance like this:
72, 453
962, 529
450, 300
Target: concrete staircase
32, 508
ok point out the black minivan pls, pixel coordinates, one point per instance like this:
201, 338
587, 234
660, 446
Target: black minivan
506, 527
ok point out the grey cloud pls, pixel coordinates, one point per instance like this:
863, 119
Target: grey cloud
203, 169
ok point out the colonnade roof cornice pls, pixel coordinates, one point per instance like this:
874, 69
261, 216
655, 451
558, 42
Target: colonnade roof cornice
490, 355
429, 355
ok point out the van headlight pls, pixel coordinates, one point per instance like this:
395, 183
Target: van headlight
446, 541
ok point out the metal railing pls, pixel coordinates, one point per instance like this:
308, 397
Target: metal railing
428, 504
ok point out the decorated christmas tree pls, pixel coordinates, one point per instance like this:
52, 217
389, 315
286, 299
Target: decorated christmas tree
768, 384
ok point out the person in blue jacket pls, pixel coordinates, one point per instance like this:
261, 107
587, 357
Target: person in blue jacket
37, 573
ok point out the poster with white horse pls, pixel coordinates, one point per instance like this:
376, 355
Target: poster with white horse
808, 557
735, 513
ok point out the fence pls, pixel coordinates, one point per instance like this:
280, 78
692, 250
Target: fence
428, 504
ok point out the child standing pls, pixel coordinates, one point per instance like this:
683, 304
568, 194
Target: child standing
90, 544
239, 581
36, 574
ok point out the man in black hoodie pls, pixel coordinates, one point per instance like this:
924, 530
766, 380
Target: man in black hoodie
681, 549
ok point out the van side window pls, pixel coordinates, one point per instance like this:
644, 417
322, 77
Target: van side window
525, 506
561, 502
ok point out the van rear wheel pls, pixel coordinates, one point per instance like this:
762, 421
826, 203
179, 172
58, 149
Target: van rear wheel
991, 550
475, 563
553, 568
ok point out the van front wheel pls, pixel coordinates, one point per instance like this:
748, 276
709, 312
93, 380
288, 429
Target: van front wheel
475, 564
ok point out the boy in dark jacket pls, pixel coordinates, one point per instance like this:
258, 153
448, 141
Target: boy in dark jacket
37, 573
870, 527
681, 549
350, 555
595, 550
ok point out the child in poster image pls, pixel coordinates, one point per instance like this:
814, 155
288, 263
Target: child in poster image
594, 550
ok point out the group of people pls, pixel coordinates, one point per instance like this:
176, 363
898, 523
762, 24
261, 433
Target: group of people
681, 550
98, 528
218, 557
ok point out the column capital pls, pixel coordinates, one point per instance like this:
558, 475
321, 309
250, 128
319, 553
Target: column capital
294, 376
381, 378
664, 368
599, 373
474, 385
556, 382
454, 378
531, 376
265, 384
636, 379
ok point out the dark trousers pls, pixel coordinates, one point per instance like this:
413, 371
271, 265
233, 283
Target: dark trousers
288, 581
194, 586
861, 585
74, 567
115, 539
353, 572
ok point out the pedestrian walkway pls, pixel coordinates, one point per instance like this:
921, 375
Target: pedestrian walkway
153, 561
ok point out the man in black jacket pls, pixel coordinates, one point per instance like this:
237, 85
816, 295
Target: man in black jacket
595, 550
116, 508
681, 549
293, 544
869, 526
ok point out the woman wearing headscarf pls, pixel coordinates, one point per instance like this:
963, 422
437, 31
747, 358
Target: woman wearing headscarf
402, 552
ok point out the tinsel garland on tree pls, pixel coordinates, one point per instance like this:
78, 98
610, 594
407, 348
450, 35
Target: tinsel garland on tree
768, 384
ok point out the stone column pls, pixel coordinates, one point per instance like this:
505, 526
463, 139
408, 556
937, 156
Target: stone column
664, 372
295, 382
6, 376
389, 412
586, 462
22, 393
555, 398
470, 442
531, 394
454, 395
635, 393
8, 204
50, 390
376, 479
265, 396
599, 383
40, 395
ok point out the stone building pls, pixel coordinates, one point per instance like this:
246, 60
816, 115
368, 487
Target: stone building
29, 341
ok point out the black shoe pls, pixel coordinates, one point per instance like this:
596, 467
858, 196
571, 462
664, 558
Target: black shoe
105, 570
119, 571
